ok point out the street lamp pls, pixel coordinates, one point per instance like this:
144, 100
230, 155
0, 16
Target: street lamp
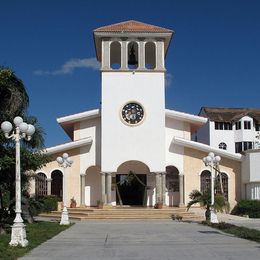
64, 162
22, 131
212, 161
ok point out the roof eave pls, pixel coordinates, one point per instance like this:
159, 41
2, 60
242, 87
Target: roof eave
68, 146
206, 148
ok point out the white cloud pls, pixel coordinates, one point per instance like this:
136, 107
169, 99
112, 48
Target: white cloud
168, 79
69, 66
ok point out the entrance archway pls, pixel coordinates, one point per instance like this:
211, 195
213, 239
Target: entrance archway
131, 184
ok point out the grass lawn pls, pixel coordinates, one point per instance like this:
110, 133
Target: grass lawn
242, 232
37, 233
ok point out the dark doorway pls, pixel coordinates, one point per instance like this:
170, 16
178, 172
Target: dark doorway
56, 184
131, 189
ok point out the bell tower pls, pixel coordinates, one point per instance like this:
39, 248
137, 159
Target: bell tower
133, 93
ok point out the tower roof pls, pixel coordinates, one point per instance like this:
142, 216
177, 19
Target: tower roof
133, 26
131, 29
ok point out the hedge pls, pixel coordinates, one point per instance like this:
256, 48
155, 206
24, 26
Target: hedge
247, 207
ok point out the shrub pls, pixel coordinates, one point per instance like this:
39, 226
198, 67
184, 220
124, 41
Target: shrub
43, 204
36, 206
50, 203
247, 207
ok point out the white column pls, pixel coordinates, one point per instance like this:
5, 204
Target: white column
49, 186
105, 59
108, 186
64, 188
82, 189
159, 55
181, 187
158, 187
124, 55
141, 58
163, 187
103, 187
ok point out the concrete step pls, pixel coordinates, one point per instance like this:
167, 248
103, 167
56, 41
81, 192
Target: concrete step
129, 213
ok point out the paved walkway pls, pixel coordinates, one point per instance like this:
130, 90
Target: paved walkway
143, 240
232, 219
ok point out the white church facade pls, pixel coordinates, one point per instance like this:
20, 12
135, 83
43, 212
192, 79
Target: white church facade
132, 150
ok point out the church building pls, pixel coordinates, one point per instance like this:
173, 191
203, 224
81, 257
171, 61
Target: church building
133, 150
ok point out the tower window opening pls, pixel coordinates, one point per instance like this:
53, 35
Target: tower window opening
150, 51
132, 50
115, 55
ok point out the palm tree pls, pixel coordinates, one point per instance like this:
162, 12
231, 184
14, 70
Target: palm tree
13, 95
14, 102
204, 199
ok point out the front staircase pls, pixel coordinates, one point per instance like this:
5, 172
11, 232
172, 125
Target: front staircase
128, 213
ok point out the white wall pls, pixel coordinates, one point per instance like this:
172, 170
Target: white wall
250, 179
174, 154
145, 142
219, 136
90, 155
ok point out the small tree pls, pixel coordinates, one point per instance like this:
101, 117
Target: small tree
204, 199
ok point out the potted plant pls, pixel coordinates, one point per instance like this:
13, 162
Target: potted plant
100, 204
73, 203
159, 204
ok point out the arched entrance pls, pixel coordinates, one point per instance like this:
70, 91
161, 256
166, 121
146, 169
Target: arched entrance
56, 184
172, 185
92, 186
131, 184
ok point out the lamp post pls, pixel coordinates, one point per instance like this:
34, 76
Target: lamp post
212, 161
25, 131
64, 162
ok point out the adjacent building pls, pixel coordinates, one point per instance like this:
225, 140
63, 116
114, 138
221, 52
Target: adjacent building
232, 129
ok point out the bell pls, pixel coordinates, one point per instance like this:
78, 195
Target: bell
132, 59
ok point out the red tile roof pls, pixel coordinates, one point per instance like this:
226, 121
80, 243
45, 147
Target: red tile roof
133, 26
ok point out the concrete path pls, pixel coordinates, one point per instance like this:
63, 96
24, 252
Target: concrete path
143, 240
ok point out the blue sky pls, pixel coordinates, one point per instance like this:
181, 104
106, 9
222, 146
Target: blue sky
213, 59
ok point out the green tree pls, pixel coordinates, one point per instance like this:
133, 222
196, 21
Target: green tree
14, 102
204, 199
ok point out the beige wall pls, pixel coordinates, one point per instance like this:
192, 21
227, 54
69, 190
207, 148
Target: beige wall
72, 172
193, 166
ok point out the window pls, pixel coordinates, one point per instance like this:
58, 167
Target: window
227, 126
247, 124
223, 126
243, 146
257, 127
238, 125
247, 145
222, 184
219, 125
222, 146
238, 147
40, 184
205, 180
